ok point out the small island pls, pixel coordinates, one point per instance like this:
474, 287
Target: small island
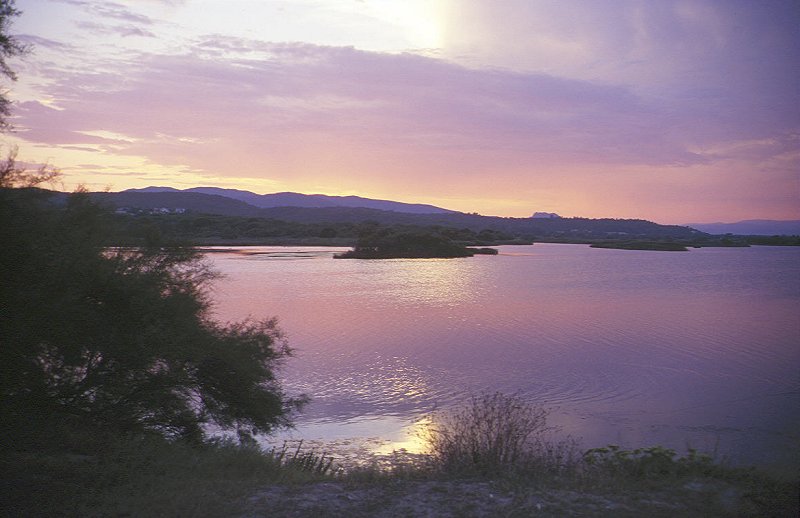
661, 246
387, 244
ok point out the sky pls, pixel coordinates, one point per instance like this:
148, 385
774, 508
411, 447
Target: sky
675, 111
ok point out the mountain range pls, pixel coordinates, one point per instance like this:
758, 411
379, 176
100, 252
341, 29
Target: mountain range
317, 208
293, 199
320, 209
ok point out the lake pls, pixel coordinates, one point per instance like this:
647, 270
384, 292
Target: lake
637, 348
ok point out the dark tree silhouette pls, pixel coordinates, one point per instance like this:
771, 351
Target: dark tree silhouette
9, 47
122, 338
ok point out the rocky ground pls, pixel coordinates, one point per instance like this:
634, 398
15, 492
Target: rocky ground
476, 498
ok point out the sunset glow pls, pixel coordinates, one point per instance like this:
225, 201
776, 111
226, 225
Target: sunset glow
672, 111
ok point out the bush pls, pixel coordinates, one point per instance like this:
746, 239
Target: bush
497, 434
643, 463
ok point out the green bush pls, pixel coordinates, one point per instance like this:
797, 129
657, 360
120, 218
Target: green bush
655, 461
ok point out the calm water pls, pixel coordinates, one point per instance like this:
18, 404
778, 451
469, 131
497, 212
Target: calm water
636, 348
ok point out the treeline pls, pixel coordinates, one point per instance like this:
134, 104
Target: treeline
208, 229
204, 229
201, 222
773, 240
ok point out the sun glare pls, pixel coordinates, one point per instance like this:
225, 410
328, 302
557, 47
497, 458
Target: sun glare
418, 20
414, 439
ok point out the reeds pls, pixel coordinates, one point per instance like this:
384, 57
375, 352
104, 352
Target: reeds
308, 461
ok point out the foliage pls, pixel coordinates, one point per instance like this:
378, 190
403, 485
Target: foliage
123, 337
641, 463
12, 175
497, 433
84, 471
133, 225
774, 240
9, 47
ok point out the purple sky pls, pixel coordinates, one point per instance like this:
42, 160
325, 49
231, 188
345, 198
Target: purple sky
674, 111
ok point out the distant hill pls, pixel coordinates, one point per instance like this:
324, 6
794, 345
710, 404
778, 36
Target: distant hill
752, 227
293, 199
194, 202
558, 229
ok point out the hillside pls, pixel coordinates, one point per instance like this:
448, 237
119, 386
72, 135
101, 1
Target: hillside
213, 219
559, 229
194, 202
293, 199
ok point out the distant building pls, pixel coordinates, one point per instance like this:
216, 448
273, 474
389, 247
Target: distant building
545, 215
134, 211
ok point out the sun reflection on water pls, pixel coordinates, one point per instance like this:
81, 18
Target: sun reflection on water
433, 282
414, 438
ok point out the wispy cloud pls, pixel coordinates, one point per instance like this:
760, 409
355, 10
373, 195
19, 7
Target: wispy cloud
38, 42
120, 30
113, 10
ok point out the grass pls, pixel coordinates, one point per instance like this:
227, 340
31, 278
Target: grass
93, 473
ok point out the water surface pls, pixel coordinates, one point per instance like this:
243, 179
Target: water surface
699, 348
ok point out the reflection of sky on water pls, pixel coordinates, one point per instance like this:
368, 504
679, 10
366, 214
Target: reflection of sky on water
630, 347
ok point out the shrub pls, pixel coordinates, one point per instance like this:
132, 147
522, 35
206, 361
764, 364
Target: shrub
497, 434
613, 462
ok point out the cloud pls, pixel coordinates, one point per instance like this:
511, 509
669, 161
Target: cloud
81, 148
742, 54
46, 43
119, 30
110, 10
389, 102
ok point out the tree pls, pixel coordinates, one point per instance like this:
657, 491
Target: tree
9, 47
123, 338
11, 175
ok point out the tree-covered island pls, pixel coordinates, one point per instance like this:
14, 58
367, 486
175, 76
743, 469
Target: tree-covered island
386, 243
